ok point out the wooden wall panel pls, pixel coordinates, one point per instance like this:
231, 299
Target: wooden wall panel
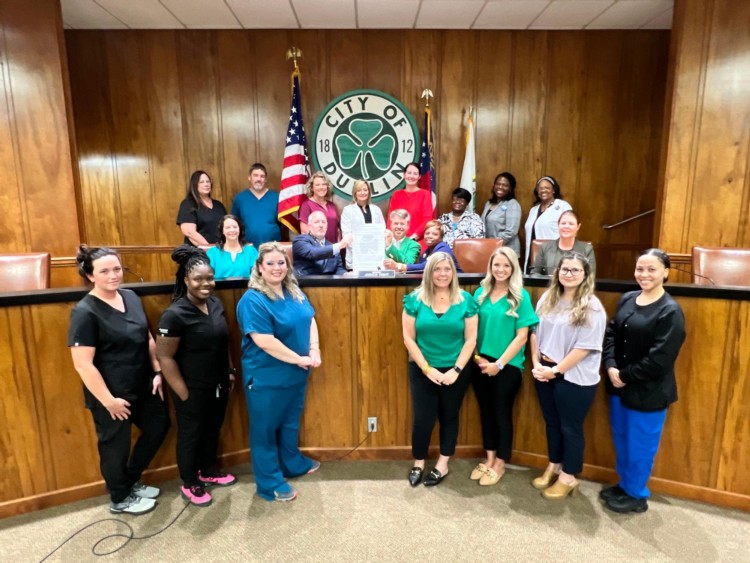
705, 198
494, 111
238, 117
570, 104
530, 92
94, 131
328, 415
35, 159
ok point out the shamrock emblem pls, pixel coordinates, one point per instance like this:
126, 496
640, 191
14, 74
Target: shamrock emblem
363, 151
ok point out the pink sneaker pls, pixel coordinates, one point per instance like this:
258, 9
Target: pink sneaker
196, 495
219, 479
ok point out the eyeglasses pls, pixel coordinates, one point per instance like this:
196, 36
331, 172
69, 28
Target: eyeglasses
570, 271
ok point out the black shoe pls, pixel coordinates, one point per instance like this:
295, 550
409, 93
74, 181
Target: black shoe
433, 478
626, 503
612, 492
415, 476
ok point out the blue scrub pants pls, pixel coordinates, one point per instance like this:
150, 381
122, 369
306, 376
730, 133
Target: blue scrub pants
636, 436
274, 437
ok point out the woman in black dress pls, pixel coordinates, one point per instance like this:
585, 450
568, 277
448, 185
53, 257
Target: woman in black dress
114, 354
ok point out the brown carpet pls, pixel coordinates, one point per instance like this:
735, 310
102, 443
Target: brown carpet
366, 511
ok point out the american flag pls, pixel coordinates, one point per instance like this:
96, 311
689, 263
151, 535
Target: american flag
296, 169
426, 165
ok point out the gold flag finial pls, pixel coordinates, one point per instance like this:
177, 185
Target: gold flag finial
427, 94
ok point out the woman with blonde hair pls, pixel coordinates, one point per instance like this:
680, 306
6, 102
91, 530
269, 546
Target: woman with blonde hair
505, 316
359, 212
440, 328
279, 347
566, 350
319, 192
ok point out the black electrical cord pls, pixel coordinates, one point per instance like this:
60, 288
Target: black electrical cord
354, 449
128, 537
131, 535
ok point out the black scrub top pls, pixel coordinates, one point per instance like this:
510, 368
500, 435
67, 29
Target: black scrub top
205, 219
203, 353
121, 342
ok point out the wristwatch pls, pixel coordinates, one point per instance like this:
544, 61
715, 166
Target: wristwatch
555, 371
500, 365
457, 368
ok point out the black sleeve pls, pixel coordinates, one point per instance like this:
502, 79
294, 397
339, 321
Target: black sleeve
171, 324
84, 328
669, 335
187, 213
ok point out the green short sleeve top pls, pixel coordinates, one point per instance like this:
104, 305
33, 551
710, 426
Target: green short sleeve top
497, 329
440, 338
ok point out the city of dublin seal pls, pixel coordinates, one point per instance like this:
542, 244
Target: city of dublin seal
364, 135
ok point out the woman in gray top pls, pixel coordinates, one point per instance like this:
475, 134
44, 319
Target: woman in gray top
502, 213
551, 253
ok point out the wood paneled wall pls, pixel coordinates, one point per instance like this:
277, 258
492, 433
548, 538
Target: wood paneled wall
705, 197
38, 198
48, 445
151, 106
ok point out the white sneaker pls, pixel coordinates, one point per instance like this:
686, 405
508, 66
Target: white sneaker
143, 490
133, 505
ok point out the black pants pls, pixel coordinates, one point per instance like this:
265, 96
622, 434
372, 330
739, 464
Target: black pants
496, 395
199, 421
430, 402
121, 468
565, 406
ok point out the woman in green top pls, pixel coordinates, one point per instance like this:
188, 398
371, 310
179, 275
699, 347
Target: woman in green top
505, 315
440, 332
399, 248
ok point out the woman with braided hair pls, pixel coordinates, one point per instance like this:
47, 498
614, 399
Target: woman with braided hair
193, 350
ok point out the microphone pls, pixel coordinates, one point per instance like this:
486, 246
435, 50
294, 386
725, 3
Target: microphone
694, 274
133, 273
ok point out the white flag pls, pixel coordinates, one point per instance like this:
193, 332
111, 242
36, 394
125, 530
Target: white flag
469, 172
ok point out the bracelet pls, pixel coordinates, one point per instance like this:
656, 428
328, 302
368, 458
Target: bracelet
233, 371
426, 368
158, 372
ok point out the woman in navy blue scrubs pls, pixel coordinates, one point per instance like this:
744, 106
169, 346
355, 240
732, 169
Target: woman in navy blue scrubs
279, 347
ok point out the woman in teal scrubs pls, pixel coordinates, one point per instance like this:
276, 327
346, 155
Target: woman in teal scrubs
279, 347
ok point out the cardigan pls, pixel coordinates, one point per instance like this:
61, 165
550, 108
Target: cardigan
643, 342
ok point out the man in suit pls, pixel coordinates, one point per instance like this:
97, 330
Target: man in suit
313, 254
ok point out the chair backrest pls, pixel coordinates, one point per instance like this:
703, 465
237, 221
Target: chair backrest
723, 266
287, 245
536, 246
474, 253
23, 272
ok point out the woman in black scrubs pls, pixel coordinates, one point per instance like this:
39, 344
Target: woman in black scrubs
193, 349
114, 354
199, 215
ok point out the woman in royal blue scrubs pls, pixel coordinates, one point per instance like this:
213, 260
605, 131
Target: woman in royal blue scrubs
279, 347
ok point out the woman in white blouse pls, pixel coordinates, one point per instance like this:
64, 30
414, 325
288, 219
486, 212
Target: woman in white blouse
543, 217
359, 212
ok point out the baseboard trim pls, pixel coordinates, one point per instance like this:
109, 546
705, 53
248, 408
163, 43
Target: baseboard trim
394, 453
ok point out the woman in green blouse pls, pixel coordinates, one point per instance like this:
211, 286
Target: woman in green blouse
440, 331
505, 316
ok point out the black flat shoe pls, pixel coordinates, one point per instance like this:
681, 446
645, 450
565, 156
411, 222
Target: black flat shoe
415, 476
626, 503
612, 492
433, 478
